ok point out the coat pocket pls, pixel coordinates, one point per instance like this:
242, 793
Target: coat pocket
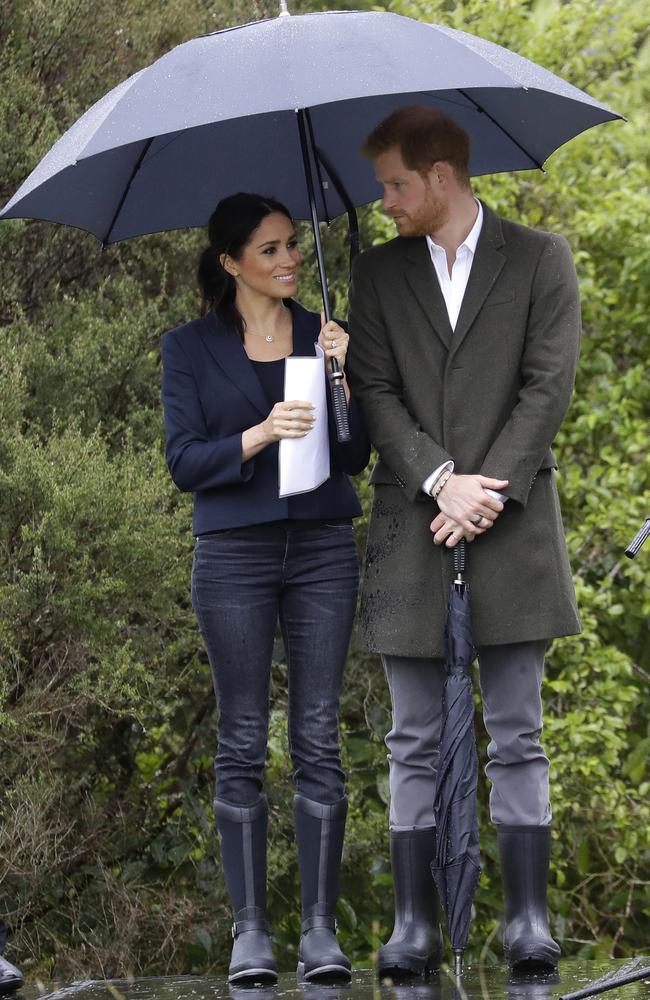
500, 298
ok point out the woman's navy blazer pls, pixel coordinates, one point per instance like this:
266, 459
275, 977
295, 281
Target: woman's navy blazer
210, 395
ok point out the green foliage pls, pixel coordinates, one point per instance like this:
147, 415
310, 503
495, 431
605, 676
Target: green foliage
108, 859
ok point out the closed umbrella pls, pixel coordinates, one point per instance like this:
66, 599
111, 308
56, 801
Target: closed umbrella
456, 867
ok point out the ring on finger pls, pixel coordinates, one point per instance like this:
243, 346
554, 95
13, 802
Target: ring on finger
333, 343
477, 520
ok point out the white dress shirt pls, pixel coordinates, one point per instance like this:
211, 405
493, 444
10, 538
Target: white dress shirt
453, 287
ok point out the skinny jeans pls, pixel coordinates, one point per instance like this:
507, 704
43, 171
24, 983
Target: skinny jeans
304, 575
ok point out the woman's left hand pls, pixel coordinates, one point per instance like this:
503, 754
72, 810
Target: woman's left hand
334, 341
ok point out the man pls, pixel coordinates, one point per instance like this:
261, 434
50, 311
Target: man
463, 346
10, 978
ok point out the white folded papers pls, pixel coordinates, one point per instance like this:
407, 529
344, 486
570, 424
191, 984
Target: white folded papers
305, 462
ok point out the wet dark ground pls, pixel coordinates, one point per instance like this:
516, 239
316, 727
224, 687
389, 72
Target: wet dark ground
477, 983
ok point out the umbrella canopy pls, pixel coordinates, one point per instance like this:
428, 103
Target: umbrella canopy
456, 867
218, 114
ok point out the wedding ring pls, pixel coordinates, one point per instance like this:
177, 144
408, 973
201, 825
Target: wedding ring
477, 520
333, 343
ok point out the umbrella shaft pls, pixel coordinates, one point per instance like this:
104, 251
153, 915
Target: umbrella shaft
305, 146
613, 983
339, 402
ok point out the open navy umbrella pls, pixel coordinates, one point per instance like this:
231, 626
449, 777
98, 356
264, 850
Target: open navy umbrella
239, 109
456, 868
282, 106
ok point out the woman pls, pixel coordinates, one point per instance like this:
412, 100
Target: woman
260, 558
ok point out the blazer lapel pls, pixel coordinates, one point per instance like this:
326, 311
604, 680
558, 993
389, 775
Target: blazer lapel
228, 351
305, 331
421, 276
487, 265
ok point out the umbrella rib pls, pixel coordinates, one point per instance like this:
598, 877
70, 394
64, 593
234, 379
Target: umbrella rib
339, 187
502, 129
127, 188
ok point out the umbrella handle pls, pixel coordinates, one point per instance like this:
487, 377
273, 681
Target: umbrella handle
639, 539
339, 402
460, 556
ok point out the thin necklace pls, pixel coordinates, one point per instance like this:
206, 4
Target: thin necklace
268, 337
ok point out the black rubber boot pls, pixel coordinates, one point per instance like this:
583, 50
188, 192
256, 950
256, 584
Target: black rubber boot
242, 832
319, 831
527, 942
415, 946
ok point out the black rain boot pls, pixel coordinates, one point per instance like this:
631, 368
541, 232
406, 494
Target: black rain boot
319, 831
415, 946
242, 832
527, 941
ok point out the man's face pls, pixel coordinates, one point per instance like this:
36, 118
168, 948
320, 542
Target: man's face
409, 198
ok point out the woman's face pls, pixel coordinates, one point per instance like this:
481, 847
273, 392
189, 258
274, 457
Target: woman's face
270, 261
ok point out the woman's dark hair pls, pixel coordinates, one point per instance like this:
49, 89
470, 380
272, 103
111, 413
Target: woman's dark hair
230, 228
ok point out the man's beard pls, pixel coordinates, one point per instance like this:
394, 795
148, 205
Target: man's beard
429, 218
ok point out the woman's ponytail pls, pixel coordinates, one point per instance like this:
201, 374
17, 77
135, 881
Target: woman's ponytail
216, 285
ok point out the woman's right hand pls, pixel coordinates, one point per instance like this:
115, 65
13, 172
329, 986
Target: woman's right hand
288, 419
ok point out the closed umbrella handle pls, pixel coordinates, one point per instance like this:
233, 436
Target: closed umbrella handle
639, 539
460, 556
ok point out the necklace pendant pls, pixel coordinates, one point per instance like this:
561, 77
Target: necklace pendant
269, 339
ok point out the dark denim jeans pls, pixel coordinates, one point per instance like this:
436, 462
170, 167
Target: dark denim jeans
243, 580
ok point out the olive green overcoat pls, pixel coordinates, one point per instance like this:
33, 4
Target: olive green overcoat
490, 395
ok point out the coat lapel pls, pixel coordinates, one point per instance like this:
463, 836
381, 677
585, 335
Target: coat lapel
306, 327
487, 265
422, 278
228, 351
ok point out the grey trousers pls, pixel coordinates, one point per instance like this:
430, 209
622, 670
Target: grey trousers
510, 680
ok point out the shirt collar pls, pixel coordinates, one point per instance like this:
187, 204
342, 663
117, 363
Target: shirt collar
470, 240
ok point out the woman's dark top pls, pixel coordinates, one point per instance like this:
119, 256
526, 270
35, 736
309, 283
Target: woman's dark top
211, 393
271, 376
